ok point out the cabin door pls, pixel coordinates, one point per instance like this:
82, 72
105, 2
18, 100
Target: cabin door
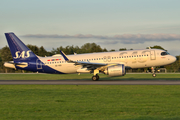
153, 55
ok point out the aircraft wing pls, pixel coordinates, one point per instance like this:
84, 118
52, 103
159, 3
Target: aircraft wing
88, 65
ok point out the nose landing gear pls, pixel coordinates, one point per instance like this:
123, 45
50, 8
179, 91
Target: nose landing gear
153, 71
154, 75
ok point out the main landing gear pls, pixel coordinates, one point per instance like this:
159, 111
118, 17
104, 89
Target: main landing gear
153, 71
95, 77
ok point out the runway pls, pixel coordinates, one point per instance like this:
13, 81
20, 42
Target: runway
89, 82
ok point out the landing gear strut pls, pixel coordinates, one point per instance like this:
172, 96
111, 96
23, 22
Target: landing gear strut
153, 71
95, 77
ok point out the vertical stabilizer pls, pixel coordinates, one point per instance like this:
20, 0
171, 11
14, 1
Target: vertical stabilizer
19, 51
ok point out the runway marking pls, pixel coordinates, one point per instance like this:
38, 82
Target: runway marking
89, 82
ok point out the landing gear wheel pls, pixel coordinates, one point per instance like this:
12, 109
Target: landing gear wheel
95, 77
154, 75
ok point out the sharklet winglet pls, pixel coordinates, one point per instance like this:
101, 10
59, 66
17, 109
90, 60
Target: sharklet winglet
64, 56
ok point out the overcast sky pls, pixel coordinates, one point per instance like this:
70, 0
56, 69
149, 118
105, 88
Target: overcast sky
112, 24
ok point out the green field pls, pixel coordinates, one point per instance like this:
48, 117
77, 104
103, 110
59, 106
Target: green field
87, 77
89, 102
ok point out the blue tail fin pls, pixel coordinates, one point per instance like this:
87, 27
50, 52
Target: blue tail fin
19, 51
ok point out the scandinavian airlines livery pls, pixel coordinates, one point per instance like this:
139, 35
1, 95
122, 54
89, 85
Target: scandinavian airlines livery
109, 63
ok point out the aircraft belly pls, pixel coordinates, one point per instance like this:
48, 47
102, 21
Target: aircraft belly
64, 68
138, 65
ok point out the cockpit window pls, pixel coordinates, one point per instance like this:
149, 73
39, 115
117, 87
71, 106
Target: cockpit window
164, 53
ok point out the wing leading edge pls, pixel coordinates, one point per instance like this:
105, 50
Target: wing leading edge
89, 65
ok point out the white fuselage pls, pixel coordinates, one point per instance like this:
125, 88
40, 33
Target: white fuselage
131, 59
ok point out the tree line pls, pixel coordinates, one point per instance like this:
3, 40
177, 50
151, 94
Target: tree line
5, 55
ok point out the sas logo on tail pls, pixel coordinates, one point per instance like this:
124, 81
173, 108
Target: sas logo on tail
23, 54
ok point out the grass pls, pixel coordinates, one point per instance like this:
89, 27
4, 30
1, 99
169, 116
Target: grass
89, 102
87, 77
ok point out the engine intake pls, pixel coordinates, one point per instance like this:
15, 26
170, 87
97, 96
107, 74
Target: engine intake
115, 70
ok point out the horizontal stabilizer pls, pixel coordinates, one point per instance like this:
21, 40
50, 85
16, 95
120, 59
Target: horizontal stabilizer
11, 64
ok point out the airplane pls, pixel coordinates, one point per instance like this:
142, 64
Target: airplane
110, 63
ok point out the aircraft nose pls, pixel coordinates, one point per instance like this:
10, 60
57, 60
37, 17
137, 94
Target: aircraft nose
173, 59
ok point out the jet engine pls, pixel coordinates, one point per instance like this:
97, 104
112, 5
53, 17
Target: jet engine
115, 70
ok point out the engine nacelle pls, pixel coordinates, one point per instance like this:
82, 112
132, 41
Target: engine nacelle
115, 70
